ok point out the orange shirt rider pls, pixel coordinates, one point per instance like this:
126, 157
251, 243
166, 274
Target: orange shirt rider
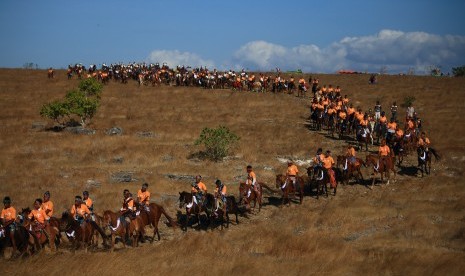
79, 210
47, 205
38, 214
143, 195
342, 115
199, 186
8, 215
128, 204
384, 150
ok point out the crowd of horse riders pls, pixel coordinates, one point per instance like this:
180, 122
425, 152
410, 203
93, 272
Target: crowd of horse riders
155, 74
31, 229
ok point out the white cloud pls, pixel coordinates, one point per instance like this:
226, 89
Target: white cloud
174, 58
396, 50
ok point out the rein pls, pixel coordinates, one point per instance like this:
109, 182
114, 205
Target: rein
345, 166
377, 166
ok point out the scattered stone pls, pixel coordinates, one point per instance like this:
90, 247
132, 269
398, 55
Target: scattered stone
80, 130
115, 131
39, 126
167, 158
187, 178
267, 168
122, 176
145, 134
91, 183
118, 159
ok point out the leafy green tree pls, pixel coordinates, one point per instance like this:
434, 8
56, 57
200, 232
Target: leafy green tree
217, 141
81, 105
459, 71
91, 87
55, 111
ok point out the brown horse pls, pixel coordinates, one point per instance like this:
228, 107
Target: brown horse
40, 236
321, 179
247, 195
350, 169
120, 227
78, 234
381, 168
223, 213
50, 73
287, 187
193, 208
21, 237
150, 215
424, 159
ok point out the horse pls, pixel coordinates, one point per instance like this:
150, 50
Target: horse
21, 237
193, 208
76, 232
399, 149
40, 236
151, 214
223, 213
247, 195
119, 227
424, 159
321, 178
287, 187
350, 169
380, 167
50, 73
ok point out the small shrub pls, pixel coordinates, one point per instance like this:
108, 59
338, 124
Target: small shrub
408, 101
458, 71
217, 141
55, 111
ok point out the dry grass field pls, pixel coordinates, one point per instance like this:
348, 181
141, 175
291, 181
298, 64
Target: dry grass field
414, 226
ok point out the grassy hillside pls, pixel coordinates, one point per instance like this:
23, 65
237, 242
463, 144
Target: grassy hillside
413, 226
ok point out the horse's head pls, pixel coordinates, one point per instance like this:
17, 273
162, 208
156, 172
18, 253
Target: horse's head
280, 179
242, 189
184, 198
340, 160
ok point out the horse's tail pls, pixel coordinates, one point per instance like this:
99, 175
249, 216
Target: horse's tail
435, 153
171, 221
99, 229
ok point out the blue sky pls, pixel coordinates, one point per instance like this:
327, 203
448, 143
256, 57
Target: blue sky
315, 36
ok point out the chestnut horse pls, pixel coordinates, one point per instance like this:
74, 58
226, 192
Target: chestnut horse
119, 227
247, 195
350, 169
287, 187
78, 233
39, 237
193, 208
21, 237
150, 215
381, 168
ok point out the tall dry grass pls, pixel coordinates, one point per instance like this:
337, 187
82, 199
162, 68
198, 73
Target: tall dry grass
413, 226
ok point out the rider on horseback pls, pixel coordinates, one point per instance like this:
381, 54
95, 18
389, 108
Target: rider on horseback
7, 220
89, 203
220, 196
318, 160
328, 163
38, 217
143, 197
251, 180
128, 209
291, 173
199, 190
351, 154
384, 152
79, 210
423, 141
47, 206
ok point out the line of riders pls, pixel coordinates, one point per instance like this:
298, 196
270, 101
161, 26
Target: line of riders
156, 74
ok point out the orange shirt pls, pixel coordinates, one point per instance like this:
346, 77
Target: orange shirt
223, 190
292, 170
201, 186
410, 124
399, 133
48, 208
331, 111
384, 150
345, 100
251, 177
325, 102
80, 210
128, 204
89, 203
342, 115
143, 197
321, 156
350, 110
359, 116
392, 125
422, 142
8, 214
38, 215
364, 122
328, 162
351, 151
383, 119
